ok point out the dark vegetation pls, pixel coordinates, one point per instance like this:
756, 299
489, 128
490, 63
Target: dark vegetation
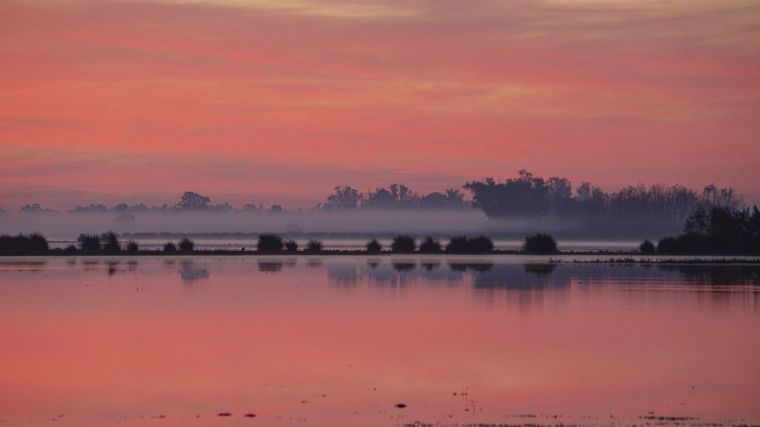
540, 244
313, 247
170, 248
186, 245
647, 248
374, 247
717, 230
430, 246
631, 211
291, 247
23, 244
403, 244
532, 196
132, 247
269, 244
89, 243
110, 243
466, 245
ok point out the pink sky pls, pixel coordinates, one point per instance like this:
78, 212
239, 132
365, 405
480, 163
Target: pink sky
279, 100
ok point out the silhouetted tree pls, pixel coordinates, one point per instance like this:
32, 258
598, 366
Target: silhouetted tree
269, 243
531, 196
186, 245
396, 196
343, 198
717, 229
132, 247
251, 207
403, 244
275, 209
430, 246
451, 199
647, 248
480, 245
465, 245
457, 245
667, 246
540, 244
110, 242
22, 244
314, 247
89, 243
93, 208
291, 247
34, 208
191, 201
374, 247
170, 248
525, 195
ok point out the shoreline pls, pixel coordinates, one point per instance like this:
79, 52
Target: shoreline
607, 257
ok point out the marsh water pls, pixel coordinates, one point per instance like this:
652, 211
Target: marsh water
376, 341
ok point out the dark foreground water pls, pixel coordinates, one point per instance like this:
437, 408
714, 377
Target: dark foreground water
363, 341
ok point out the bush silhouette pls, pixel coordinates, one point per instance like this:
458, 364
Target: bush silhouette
668, 245
291, 247
457, 245
269, 244
465, 245
170, 248
540, 244
314, 247
89, 243
374, 247
430, 246
480, 245
647, 248
719, 230
186, 245
403, 244
110, 243
32, 244
132, 247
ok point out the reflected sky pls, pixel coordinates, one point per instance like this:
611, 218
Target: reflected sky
343, 340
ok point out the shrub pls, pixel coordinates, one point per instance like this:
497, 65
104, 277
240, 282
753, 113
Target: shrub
132, 247
540, 244
314, 247
186, 245
170, 248
89, 243
457, 245
480, 245
647, 248
110, 242
403, 244
374, 247
269, 244
465, 245
32, 244
430, 246
668, 245
291, 247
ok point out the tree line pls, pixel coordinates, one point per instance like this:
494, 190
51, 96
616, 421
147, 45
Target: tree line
714, 230
524, 196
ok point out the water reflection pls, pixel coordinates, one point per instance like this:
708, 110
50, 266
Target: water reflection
189, 272
461, 340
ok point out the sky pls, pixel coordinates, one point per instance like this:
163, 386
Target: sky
278, 101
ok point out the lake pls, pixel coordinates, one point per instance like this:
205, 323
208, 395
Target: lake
376, 341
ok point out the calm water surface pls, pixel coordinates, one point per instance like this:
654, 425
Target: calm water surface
343, 340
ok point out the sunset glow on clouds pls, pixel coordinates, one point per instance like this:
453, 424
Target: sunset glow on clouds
279, 100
